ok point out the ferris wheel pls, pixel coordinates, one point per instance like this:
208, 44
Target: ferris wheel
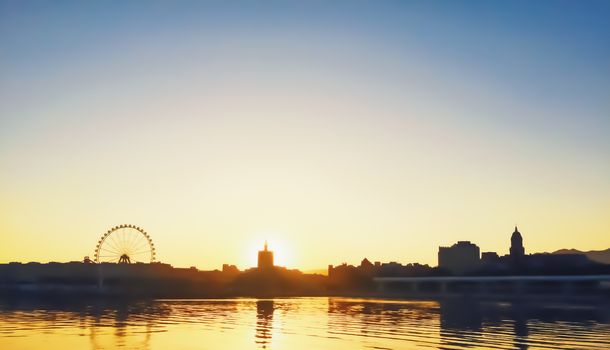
125, 244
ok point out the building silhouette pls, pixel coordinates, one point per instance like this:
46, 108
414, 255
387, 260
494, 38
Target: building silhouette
265, 259
489, 260
460, 258
230, 269
490, 257
516, 245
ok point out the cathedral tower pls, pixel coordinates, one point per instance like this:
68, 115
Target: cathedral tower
516, 244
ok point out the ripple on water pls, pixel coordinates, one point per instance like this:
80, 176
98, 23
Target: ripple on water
333, 323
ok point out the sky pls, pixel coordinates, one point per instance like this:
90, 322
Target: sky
336, 130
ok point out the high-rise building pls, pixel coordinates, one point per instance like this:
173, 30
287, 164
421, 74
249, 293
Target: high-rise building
265, 259
490, 257
460, 258
516, 244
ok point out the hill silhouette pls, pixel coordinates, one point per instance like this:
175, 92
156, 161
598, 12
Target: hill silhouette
600, 256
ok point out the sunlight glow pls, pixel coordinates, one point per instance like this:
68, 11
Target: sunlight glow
343, 136
283, 253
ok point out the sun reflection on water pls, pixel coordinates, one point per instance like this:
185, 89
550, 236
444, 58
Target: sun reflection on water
301, 323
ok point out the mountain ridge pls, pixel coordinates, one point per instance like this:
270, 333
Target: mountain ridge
600, 256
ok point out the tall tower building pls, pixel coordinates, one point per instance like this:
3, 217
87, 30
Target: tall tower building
265, 259
460, 258
516, 244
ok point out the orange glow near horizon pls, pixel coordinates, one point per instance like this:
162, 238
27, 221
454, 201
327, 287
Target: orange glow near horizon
335, 134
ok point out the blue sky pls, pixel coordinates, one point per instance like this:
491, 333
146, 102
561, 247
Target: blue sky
422, 122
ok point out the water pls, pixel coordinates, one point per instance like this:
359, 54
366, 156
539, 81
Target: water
302, 323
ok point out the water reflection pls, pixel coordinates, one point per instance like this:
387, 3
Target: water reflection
467, 323
461, 323
520, 330
264, 322
302, 323
94, 317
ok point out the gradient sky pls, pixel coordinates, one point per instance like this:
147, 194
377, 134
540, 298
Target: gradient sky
336, 130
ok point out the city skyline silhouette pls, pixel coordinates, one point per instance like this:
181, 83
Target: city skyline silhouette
316, 174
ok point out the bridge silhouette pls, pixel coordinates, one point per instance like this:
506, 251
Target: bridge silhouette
496, 286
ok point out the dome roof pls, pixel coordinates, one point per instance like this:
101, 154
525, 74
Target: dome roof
516, 233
